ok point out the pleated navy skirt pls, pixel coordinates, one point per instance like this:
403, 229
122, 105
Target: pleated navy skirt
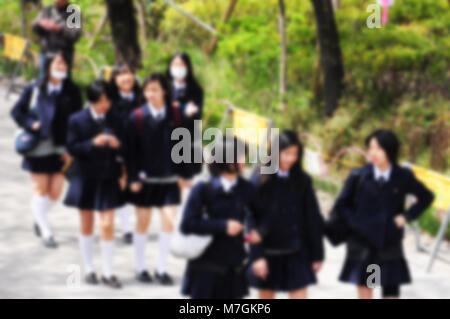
287, 272
204, 284
156, 195
94, 194
49, 164
394, 271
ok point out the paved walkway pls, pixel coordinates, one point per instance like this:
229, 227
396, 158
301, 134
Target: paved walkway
28, 270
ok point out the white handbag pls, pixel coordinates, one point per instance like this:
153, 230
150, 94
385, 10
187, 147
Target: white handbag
188, 246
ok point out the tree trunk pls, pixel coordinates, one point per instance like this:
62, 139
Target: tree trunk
331, 57
283, 53
225, 17
122, 19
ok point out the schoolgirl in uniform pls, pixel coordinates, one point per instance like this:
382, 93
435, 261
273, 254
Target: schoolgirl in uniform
228, 201
95, 181
126, 96
187, 96
371, 205
54, 97
152, 174
291, 251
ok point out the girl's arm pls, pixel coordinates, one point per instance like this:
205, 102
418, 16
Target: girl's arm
193, 221
20, 110
257, 220
132, 149
314, 223
79, 146
423, 195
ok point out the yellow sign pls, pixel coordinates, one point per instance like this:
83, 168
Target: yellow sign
14, 47
437, 183
249, 127
107, 73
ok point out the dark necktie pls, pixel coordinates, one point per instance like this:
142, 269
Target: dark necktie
381, 180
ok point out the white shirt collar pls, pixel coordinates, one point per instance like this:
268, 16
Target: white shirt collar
155, 112
178, 86
378, 173
282, 174
54, 88
95, 115
127, 96
227, 184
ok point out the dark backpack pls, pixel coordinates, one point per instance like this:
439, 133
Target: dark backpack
337, 229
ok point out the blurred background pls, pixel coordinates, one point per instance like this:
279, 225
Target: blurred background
319, 67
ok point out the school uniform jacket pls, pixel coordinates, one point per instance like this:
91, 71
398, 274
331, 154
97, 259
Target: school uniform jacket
369, 208
149, 145
210, 199
91, 161
291, 221
52, 111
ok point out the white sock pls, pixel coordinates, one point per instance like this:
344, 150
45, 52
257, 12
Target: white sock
124, 213
164, 246
107, 257
139, 241
51, 204
86, 247
39, 207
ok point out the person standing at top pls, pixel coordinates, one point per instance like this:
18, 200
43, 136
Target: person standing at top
57, 30
187, 99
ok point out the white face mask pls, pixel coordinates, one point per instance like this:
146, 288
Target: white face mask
178, 73
59, 75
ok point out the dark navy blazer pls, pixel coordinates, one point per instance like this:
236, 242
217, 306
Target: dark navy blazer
291, 219
149, 146
237, 204
98, 162
370, 208
53, 112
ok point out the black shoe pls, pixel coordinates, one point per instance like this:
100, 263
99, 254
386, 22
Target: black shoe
37, 230
112, 282
164, 279
50, 243
128, 238
144, 277
91, 279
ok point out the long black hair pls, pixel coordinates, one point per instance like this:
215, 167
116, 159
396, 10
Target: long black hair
286, 139
388, 142
49, 58
191, 81
117, 70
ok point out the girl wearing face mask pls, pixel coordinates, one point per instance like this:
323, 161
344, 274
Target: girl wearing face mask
372, 208
151, 173
291, 251
125, 99
187, 97
94, 185
54, 97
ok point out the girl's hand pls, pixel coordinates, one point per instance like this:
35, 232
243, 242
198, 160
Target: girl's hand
36, 126
191, 109
234, 228
400, 221
113, 142
66, 158
316, 266
260, 268
254, 237
101, 140
123, 182
136, 187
